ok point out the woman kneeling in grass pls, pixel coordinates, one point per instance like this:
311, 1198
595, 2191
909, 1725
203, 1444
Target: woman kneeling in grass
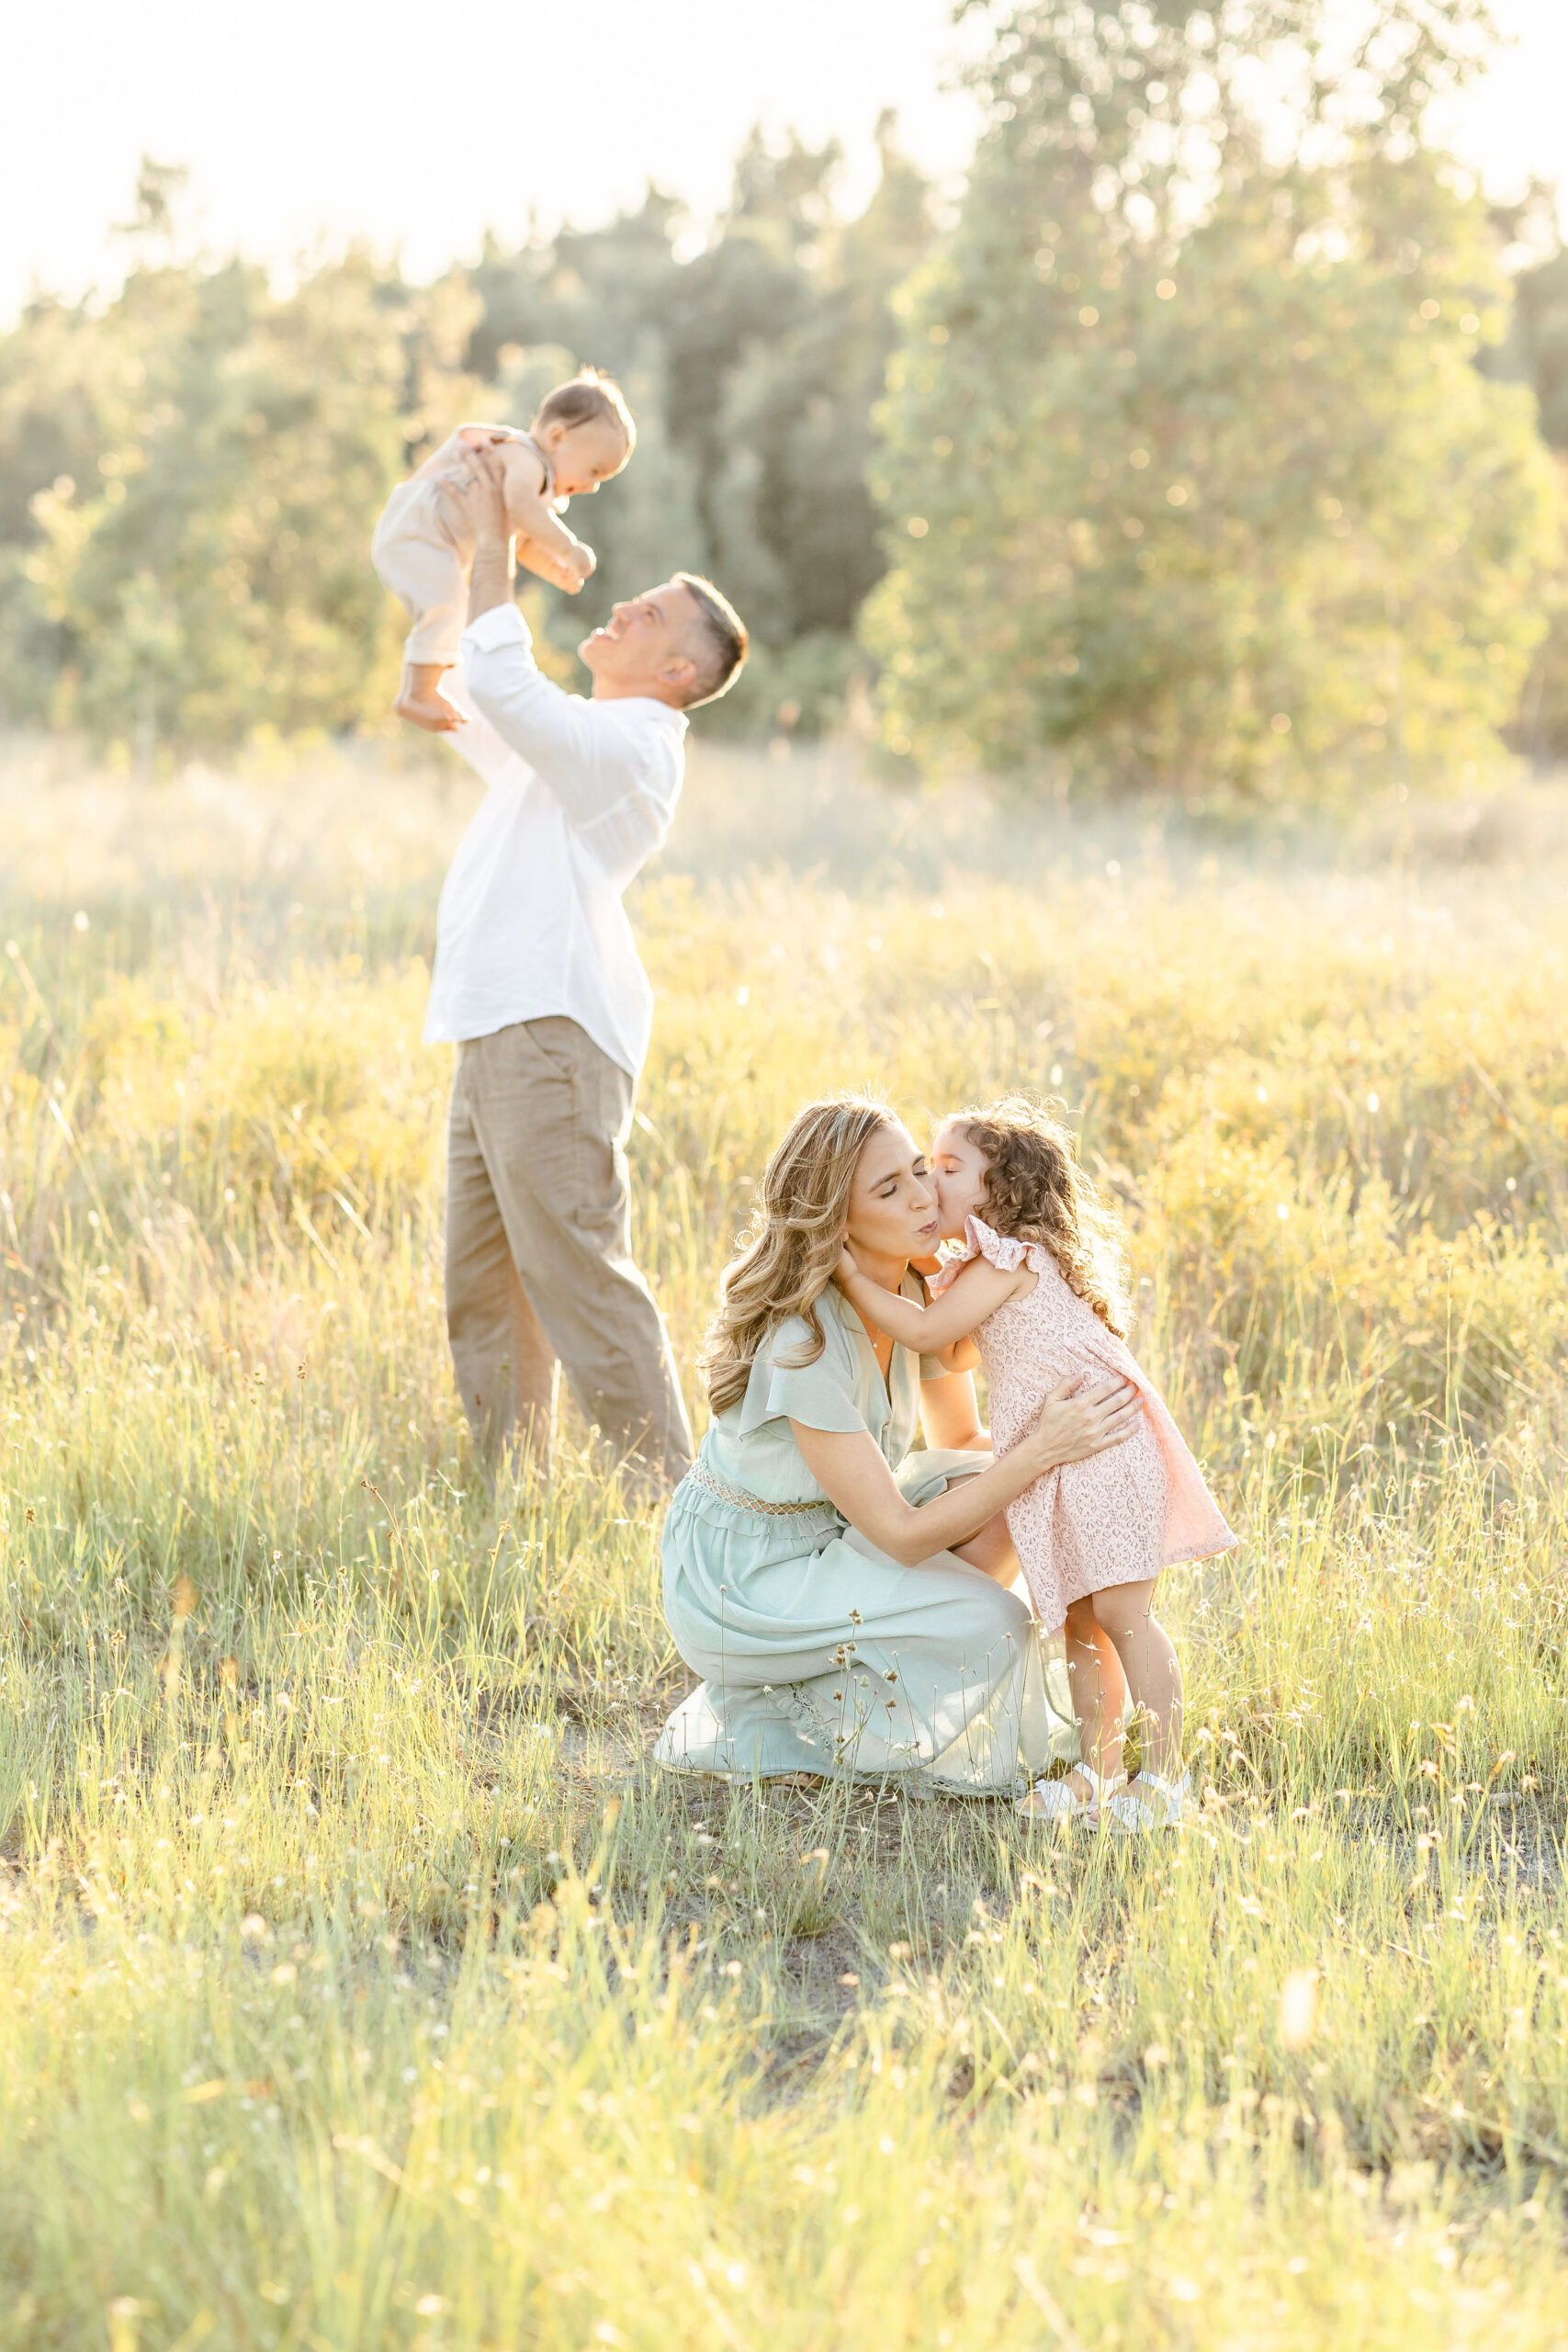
846, 1602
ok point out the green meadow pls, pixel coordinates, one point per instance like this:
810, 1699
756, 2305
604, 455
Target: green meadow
361, 1984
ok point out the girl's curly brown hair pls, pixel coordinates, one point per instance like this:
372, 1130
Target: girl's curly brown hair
1036, 1191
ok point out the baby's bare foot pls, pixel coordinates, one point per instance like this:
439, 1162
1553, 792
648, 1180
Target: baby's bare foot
430, 712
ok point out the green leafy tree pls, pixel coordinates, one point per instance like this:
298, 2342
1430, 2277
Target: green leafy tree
1189, 471
198, 557
795, 432
603, 298
191, 470
60, 371
675, 335
752, 369
1535, 352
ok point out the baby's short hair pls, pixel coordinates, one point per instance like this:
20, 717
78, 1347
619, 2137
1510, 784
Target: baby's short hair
723, 638
589, 399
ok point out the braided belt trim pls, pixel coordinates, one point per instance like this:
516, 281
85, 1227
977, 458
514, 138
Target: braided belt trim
701, 1476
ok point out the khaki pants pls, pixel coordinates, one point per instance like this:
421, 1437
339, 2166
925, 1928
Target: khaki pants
538, 1249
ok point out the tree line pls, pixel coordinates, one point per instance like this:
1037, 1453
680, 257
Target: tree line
1212, 443
190, 470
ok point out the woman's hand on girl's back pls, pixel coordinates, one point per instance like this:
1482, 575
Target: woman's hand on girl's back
1076, 1421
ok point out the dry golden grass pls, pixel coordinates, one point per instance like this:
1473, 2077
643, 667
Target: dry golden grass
361, 1984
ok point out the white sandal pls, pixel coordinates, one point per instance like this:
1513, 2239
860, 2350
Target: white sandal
1149, 1802
1055, 1801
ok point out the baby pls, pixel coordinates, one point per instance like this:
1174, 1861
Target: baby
581, 435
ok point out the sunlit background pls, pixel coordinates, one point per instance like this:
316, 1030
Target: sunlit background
1158, 699
305, 124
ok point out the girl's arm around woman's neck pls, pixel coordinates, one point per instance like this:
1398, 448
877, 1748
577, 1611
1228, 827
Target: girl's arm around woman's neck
976, 1293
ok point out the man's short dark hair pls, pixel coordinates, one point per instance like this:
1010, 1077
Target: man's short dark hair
722, 642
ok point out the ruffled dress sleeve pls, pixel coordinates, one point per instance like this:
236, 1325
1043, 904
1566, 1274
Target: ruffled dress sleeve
1000, 1250
820, 1396
1193, 1527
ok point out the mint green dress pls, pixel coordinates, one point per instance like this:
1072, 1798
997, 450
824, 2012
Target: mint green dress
819, 1652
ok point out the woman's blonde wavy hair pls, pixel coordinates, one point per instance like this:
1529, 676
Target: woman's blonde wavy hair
785, 1261
1036, 1191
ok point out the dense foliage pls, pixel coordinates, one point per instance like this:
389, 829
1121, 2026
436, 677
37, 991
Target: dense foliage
1218, 444
189, 472
1188, 413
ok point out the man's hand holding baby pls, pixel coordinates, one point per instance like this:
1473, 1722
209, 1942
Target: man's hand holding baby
475, 483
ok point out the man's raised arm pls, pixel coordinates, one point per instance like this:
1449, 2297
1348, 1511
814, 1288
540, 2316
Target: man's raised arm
591, 767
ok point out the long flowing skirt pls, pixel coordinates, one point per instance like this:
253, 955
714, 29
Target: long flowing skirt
821, 1653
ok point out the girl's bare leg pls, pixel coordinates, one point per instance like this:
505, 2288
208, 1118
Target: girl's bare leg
1126, 1613
990, 1550
1100, 1693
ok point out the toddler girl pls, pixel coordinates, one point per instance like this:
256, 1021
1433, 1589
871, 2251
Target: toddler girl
581, 435
1039, 1286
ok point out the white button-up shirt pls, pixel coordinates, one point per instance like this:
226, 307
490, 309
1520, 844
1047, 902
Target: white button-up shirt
581, 796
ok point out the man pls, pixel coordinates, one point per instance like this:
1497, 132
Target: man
538, 984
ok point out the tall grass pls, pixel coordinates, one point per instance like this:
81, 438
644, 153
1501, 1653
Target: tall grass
360, 1982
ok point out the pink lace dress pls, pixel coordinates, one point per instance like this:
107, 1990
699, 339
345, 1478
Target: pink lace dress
1120, 1517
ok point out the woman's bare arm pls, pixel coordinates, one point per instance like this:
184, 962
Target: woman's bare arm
975, 1292
853, 1472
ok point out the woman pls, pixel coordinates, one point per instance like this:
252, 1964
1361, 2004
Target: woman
846, 1607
